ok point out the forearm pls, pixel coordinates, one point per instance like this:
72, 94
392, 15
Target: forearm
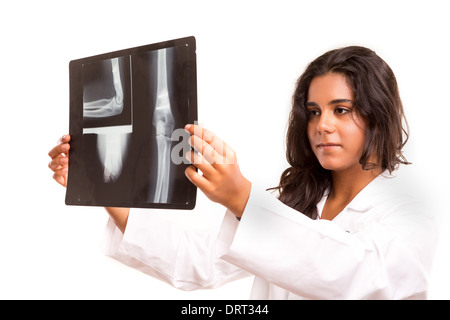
183, 256
119, 216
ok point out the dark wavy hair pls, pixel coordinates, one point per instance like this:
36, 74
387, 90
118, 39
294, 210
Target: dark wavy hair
376, 99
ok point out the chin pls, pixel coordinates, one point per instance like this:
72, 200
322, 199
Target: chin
329, 165
333, 166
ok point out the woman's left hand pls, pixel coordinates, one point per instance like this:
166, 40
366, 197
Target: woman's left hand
222, 181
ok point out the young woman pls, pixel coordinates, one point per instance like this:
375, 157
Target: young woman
340, 229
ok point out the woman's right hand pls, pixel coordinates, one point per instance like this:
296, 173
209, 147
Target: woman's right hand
60, 160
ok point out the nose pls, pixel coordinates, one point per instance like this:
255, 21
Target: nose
326, 123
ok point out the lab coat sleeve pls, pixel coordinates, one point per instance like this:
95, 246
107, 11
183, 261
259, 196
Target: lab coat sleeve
182, 257
316, 259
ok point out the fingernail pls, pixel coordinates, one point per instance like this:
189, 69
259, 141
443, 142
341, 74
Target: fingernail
187, 126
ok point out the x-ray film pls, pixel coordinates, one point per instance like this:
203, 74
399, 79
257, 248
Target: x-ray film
127, 113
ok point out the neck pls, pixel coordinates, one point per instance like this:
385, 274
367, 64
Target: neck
348, 183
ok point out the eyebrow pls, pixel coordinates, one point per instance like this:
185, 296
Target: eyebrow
334, 101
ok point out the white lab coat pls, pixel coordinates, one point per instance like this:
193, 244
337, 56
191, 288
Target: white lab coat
379, 247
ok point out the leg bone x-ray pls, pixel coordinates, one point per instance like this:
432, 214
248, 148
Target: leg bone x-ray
163, 121
112, 141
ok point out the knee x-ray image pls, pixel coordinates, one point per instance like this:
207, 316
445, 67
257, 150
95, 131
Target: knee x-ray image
124, 109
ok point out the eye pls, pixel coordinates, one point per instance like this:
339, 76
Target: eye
313, 112
342, 110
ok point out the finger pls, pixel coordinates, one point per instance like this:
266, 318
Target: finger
205, 149
59, 149
200, 162
197, 179
214, 141
60, 177
61, 172
58, 162
64, 139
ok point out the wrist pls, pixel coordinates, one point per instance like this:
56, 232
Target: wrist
119, 217
241, 199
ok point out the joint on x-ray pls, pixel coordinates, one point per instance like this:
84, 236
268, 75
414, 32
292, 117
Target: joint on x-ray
112, 141
164, 123
110, 106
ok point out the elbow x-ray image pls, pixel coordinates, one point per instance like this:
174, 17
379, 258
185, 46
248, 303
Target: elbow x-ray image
163, 121
107, 111
124, 108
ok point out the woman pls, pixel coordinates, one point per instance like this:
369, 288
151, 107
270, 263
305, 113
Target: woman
339, 229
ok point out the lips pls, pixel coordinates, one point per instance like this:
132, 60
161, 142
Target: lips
328, 145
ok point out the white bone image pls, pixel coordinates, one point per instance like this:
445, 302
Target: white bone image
111, 149
112, 141
164, 123
109, 106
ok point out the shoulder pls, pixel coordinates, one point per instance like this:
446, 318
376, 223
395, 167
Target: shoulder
397, 202
395, 191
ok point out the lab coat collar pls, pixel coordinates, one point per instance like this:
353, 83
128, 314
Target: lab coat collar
369, 197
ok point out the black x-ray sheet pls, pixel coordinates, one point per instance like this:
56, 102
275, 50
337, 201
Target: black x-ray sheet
128, 109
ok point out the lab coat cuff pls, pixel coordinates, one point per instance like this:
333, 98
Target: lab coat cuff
230, 224
250, 243
115, 242
112, 239
226, 233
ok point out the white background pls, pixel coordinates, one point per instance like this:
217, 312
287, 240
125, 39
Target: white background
250, 54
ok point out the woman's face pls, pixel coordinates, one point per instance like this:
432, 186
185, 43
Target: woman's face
335, 130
